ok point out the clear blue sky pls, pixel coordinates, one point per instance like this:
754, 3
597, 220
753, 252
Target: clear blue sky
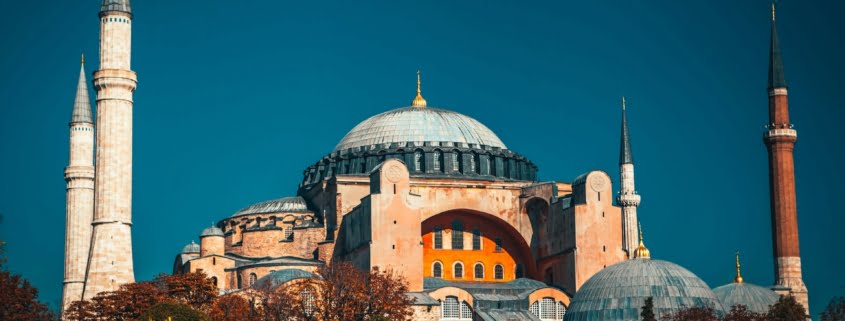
236, 98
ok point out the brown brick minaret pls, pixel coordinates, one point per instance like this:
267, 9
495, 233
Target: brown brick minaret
780, 141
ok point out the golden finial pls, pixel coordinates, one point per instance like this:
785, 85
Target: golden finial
82, 61
738, 278
642, 252
419, 101
773, 11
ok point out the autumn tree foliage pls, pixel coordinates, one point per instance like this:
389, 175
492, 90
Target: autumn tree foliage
18, 298
741, 313
787, 309
235, 307
835, 310
193, 289
343, 293
693, 314
170, 311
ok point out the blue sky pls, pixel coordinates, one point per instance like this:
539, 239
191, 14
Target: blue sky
236, 98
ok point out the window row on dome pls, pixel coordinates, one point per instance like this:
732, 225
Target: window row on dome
474, 163
478, 270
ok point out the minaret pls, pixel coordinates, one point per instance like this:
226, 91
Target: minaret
628, 198
79, 210
780, 141
110, 263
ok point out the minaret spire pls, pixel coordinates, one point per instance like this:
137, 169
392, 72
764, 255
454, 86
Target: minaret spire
628, 198
419, 101
82, 103
780, 141
642, 252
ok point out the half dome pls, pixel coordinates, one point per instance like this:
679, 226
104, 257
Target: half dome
277, 278
618, 292
757, 298
294, 204
415, 124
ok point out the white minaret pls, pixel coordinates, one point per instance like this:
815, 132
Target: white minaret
110, 263
79, 210
628, 198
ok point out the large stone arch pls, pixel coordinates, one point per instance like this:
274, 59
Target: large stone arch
513, 243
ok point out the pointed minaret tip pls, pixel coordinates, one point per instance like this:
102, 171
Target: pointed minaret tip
419, 101
82, 102
738, 278
773, 11
625, 155
776, 73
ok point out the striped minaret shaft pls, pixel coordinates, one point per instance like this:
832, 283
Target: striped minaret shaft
780, 141
110, 263
628, 198
79, 209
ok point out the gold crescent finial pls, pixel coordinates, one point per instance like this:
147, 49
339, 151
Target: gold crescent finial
82, 61
419, 101
642, 252
738, 278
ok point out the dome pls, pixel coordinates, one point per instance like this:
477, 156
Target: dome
211, 231
276, 278
618, 292
286, 204
419, 124
191, 248
757, 298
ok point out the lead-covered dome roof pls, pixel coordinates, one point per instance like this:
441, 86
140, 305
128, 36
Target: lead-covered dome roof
294, 204
618, 292
757, 298
419, 124
277, 278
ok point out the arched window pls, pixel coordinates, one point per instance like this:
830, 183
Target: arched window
252, 279
476, 166
457, 235
458, 270
289, 232
547, 309
418, 161
473, 159
240, 281
479, 270
520, 272
437, 270
476, 239
456, 161
499, 272
438, 237
489, 165
214, 280
452, 310
438, 161
307, 301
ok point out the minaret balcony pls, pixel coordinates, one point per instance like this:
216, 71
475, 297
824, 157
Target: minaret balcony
628, 200
781, 132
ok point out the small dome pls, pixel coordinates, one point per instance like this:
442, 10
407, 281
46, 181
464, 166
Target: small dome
756, 298
618, 292
211, 231
415, 124
191, 248
287, 204
276, 278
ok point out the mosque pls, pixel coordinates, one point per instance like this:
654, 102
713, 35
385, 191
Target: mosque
425, 191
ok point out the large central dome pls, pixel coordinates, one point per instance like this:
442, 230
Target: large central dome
419, 124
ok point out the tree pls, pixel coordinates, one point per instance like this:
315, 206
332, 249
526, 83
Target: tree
127, 302
740, 312
80, 311
695, 313
18, 298
233, 307
787, 309
169, 311
647, 313
194, 289
835, 310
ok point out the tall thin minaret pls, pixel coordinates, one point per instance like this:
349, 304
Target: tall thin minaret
110, 262
780, 140
79, 210
628, 198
